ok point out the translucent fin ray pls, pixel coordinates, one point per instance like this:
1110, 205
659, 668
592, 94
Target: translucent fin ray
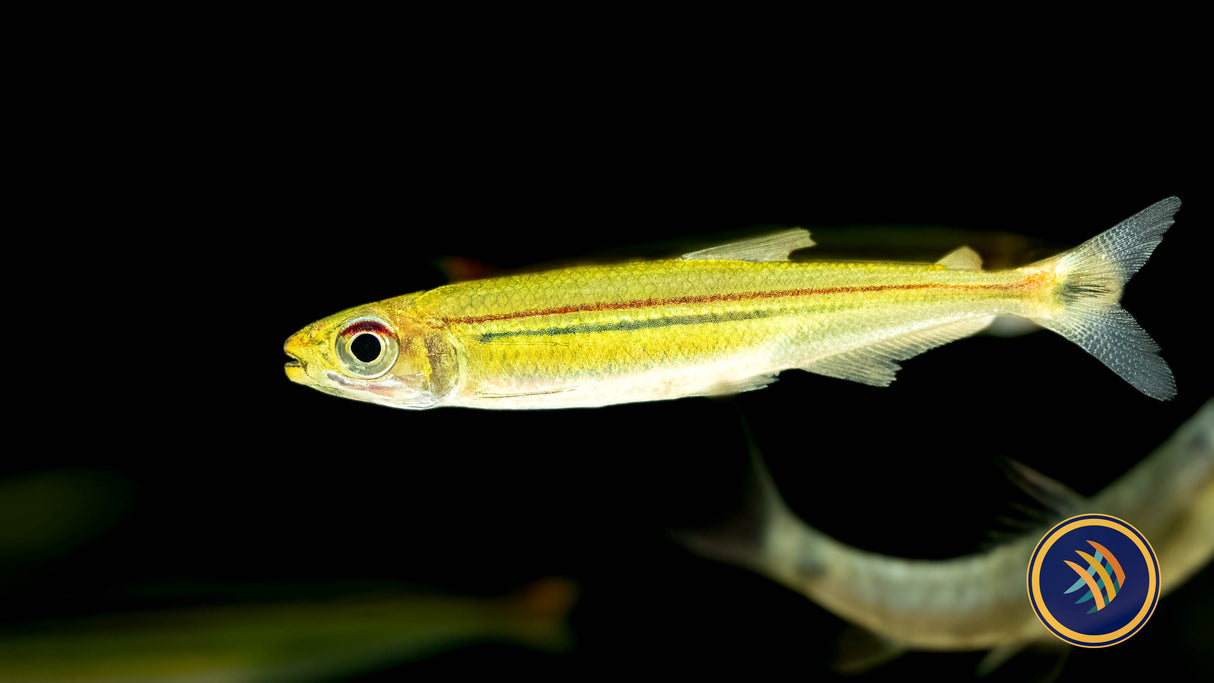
961, 258
877, 364
1057, 498
774, 247
748, 384
1093, 276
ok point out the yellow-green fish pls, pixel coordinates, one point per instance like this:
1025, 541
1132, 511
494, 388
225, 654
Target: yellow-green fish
297, 641
717, 321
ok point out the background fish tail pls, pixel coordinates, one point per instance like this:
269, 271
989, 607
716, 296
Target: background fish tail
747, 536
1091, 278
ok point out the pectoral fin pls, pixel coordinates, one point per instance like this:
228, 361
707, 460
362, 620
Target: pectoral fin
859, 650
1021, 661
748, 384
521, 394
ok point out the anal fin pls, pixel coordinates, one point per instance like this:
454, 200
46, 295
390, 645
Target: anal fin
877, 363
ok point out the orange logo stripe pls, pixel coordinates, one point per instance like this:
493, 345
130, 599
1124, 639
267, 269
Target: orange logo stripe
1112, 561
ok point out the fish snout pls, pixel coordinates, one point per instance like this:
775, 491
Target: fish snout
296, 368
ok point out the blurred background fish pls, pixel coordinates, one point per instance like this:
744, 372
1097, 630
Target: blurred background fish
236, 634
178, 630
975, 602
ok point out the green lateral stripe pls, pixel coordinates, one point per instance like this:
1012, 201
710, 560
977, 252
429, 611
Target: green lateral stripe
630, 325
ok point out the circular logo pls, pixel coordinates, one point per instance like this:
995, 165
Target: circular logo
1093, 580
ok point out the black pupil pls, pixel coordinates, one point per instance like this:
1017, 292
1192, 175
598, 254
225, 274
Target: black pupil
365, 347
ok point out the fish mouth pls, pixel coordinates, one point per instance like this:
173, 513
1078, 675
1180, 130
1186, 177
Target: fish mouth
296, 369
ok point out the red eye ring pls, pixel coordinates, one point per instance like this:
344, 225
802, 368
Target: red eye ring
364, 325
366, 358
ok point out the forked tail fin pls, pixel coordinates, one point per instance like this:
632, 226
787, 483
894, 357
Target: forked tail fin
1092, 276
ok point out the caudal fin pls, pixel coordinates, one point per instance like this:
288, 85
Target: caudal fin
746, 537
1092, 278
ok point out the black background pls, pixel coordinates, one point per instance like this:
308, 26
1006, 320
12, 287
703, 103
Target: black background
252, 196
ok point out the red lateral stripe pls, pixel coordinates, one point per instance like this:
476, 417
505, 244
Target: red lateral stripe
713, 298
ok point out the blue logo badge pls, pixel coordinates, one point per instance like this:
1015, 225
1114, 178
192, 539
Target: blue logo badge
1093, 580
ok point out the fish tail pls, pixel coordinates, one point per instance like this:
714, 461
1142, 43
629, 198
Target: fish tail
751, 536
1090, 280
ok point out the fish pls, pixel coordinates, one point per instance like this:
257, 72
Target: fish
296, 641
718, 321
976, 601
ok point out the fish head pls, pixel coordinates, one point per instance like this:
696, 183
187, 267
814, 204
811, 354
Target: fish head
379, 353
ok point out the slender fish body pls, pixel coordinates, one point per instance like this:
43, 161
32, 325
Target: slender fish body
976, 601
295, 641
722, 320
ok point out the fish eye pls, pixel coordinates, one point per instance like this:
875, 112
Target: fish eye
366, 347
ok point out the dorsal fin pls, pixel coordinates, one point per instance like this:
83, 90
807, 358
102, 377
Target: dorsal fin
1051, 501
961, 258
1057, 498
774, 247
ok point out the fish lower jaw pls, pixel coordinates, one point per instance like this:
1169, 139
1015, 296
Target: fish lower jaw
296, 373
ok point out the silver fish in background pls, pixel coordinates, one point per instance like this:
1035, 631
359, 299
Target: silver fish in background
974, 602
